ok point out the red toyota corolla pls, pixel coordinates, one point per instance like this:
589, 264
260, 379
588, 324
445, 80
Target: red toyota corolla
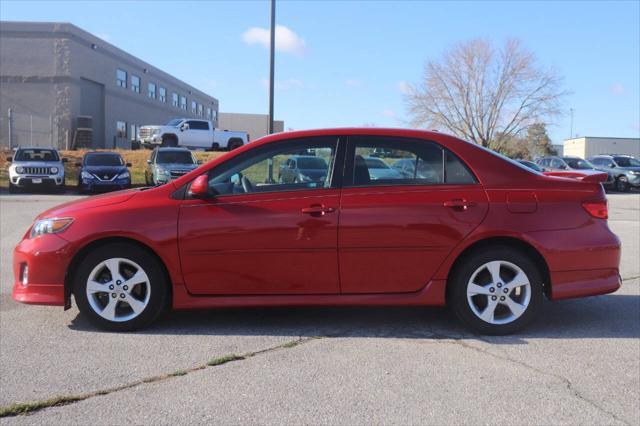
329, 217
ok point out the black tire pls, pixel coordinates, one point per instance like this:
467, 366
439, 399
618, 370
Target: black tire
158, 285
13, 189
463, 273
234, 143
169, 141
622, 184
214, 147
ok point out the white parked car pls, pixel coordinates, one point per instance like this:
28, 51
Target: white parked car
191, 133
36, 168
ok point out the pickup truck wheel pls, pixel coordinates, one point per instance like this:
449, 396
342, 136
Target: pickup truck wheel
169, 141
214, 147
234, 143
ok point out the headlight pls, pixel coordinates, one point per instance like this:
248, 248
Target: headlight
163, 172
50, 226
54, 170
123, 175
86, 175
20, 170
633, 172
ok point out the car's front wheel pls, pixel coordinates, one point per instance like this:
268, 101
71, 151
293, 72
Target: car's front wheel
622, 184
497, 290
120, 287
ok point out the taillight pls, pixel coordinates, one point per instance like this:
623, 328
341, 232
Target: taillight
597, 208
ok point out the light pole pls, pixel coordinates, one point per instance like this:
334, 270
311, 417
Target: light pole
272, 64
571, 131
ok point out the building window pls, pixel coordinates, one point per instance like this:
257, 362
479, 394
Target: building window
134, 128
151, 90
214, 116
183, 103
121, 129
199, 110
209, 113
162, 94
135, 83
121, 78
193, 107
174, 100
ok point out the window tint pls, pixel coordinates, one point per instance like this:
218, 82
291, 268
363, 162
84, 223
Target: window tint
198, 125
121, 78
627, 162
270, 169
386, 161
135, 83
578, 163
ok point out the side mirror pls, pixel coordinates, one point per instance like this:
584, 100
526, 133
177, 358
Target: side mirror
9, 159
611, 165
200, 187
128, 164
184, 127
78, 164
64, 160
148, 162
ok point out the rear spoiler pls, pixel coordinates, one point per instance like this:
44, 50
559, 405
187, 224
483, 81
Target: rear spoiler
591, 177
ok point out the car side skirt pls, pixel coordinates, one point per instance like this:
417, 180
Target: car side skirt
433, 294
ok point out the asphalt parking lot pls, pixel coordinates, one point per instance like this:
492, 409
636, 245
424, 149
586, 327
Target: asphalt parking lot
578, 364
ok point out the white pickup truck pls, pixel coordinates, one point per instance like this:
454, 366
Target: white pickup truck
191, 133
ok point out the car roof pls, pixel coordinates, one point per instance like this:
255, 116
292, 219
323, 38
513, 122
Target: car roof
172, 148
92, 153
36, 147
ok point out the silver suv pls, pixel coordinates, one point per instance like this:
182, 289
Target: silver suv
36, 168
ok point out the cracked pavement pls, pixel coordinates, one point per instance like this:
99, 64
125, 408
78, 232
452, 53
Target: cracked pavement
578, 364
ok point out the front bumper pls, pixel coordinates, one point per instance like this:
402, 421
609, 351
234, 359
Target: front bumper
109, 185
634, 180
37, 181
47, 258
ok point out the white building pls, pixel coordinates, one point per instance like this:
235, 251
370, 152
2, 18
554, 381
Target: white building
256, 125
588, 146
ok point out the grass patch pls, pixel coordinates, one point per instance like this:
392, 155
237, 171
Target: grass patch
224, 359
178, 373
28, 407
290, 344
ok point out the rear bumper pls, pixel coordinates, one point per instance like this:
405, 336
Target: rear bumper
47, 258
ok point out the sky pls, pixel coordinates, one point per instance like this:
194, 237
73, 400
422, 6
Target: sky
348, 63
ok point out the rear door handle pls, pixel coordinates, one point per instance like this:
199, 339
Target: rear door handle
317, 210
459, 203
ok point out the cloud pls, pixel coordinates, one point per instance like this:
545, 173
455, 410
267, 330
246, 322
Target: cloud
353, 82
286, 40
618, 89
389, 113
284, 85
404, 87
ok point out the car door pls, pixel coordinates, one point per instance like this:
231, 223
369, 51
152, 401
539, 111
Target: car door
258, 235
396, 232
198, 134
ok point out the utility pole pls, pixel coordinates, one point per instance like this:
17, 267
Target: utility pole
272, 64
571, 131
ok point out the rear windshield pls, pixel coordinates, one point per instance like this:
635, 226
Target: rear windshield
312, 163
36, 155
578, 163
104, 160
626, 162
174, 157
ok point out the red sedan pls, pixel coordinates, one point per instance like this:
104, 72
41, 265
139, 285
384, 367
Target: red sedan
437, 221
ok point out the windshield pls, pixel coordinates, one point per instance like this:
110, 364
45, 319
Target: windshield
36, 155
373, 163
103, 160
312, 163
174, 122
174, 157
578, 163
626, 162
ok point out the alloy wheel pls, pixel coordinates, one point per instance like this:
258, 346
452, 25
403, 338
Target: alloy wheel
118, 289
499, 292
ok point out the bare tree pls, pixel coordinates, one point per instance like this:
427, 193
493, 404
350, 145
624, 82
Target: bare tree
482, 94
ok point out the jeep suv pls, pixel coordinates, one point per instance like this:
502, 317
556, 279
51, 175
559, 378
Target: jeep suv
36, 168
624, 168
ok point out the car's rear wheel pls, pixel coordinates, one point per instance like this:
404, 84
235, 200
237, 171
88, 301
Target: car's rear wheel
496, 291
622, 184
234, 143
120, 287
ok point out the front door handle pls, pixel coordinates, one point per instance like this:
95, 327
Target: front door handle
459, 204
317, 210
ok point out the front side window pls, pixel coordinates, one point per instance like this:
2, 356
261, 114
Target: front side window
121, 78
121, 129
626, 162
387, 161
151, 90
183, 103
578, 163
162, 94
198, 125
278, 169
135, 83
174, 100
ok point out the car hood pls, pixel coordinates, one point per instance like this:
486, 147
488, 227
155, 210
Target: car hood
66, 209
176, 166
104, 169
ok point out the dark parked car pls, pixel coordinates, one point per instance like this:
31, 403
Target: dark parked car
570, 163
624, 169
103, 171
303, 168
407, 168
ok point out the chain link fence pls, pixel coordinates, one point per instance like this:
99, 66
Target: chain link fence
31, 130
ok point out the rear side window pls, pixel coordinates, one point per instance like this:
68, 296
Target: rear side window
198, 125
396, 161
